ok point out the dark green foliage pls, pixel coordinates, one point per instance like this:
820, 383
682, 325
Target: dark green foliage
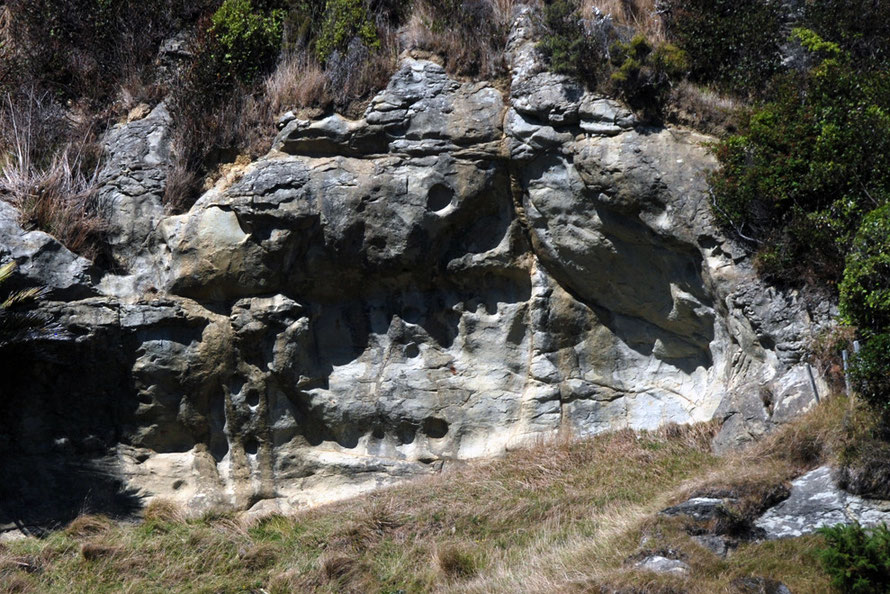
734, 43
247, 38
566, 45
808, 166
343, 21
644, 74
870, 373
857, 560
865, 290
861, 27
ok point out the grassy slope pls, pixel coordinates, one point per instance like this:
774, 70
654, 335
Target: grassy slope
560, 517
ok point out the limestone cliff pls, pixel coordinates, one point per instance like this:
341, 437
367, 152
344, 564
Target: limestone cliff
459, 272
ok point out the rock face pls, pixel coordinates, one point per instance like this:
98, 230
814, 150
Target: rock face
455, 274
815, 502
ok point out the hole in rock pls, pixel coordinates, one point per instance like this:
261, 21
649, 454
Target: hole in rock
378, 243
251, 446
377, 432
435, 428
178, 484
406, 433
439, 198
411, 315
253, 398
411, 350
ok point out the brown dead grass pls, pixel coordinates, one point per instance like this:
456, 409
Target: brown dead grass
640, 15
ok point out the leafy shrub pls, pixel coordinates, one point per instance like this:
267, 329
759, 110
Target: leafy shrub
566, 45
734, 43
857, 560
870, 374
861, 27
345, 20
644, 73
248, 39
865, 290
808, 166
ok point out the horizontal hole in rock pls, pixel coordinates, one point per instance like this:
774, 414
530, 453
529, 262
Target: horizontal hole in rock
253, 398
251, 446
439, 198
435, 428
411, 350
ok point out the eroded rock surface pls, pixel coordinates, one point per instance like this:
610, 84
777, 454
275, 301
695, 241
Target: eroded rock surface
456, 273
815, 502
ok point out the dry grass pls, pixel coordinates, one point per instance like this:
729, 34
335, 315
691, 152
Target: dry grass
562, 516
469, 43
640, 15
298, 82
703, 109
55, 193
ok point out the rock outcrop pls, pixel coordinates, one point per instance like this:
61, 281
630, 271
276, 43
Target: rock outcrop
455, 274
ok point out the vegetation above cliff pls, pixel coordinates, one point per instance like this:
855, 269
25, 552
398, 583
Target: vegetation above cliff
561, 516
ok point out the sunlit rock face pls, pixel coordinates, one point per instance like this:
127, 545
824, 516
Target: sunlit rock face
459, 272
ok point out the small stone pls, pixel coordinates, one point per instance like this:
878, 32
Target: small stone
659, 564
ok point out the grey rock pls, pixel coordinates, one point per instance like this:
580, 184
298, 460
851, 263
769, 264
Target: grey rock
659, 564
42, 261
718, 545
132, 185
758, 585
815, 502
699, 509
442, 279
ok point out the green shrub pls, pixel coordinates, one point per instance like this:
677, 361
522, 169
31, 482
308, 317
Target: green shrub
644, 74
565, 44
865, 290
734, 43
861, 27
248, 39
857, 560
870, 375
345, 20
809, 165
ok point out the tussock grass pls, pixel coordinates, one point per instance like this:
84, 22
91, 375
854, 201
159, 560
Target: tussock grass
562, 516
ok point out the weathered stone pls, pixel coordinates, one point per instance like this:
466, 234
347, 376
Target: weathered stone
42, 261
758, 585
700, 509
443, 279
659, 564
815, 502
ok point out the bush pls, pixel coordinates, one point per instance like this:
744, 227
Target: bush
345, 20
734, 43
808, 166
248, 39
861, 27
644, 74
566, 45
865, 290
857, 560
870, 375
